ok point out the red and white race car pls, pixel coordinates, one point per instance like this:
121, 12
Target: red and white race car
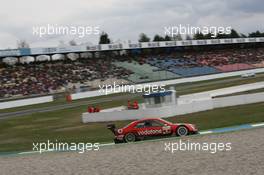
150, 127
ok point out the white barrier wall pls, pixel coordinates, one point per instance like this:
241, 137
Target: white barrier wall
201, 96
173, 110
25, 102
186, 99
228, 90
86, 94
171, 82
165, 111
238, 100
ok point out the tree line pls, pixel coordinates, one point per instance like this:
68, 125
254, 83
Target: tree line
104, 38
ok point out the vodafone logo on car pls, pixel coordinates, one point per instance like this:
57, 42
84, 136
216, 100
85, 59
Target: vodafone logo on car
150, 132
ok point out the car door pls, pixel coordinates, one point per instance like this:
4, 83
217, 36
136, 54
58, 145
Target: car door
153, 128
141, 129
164, 127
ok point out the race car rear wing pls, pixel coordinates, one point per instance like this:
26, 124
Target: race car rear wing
112, 128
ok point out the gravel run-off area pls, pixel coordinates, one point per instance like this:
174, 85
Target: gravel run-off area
245, 157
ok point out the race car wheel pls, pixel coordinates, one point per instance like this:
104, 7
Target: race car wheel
130, 137
182, 131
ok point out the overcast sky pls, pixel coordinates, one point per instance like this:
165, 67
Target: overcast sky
122, 19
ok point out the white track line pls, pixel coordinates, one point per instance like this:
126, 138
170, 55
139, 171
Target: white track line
107, 144
206, 132
31, 152
258, 124
28, 152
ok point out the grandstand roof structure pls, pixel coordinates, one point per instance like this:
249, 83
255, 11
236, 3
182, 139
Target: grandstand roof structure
122, 46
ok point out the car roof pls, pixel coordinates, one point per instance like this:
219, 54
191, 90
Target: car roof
144, 119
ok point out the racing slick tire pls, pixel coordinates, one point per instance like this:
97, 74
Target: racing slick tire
130, 137
182, 131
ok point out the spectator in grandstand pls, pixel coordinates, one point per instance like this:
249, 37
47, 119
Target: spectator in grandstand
52, 77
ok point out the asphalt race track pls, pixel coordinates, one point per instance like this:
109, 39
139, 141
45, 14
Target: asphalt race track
245, 157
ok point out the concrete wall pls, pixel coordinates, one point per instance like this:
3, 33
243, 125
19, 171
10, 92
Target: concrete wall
186, 99
174, 110
201, 96
238, 100
228, 90
25, 102
165, 111
87, 94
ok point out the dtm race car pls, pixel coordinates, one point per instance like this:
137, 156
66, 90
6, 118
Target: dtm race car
151, 127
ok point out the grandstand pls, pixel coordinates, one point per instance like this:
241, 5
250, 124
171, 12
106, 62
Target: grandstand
145, 72
181, 66
55, 77
234, 67
49, 77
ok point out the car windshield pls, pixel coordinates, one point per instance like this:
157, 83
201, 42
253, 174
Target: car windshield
140, 125
157, 123
165, 121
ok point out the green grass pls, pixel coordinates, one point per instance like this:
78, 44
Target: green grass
17, 134
223, 117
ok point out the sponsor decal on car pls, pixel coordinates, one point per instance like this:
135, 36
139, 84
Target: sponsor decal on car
150, 132
120, 131
166, 130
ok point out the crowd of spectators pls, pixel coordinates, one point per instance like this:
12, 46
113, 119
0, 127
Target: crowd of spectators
223, 60
228, 56
50, 77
